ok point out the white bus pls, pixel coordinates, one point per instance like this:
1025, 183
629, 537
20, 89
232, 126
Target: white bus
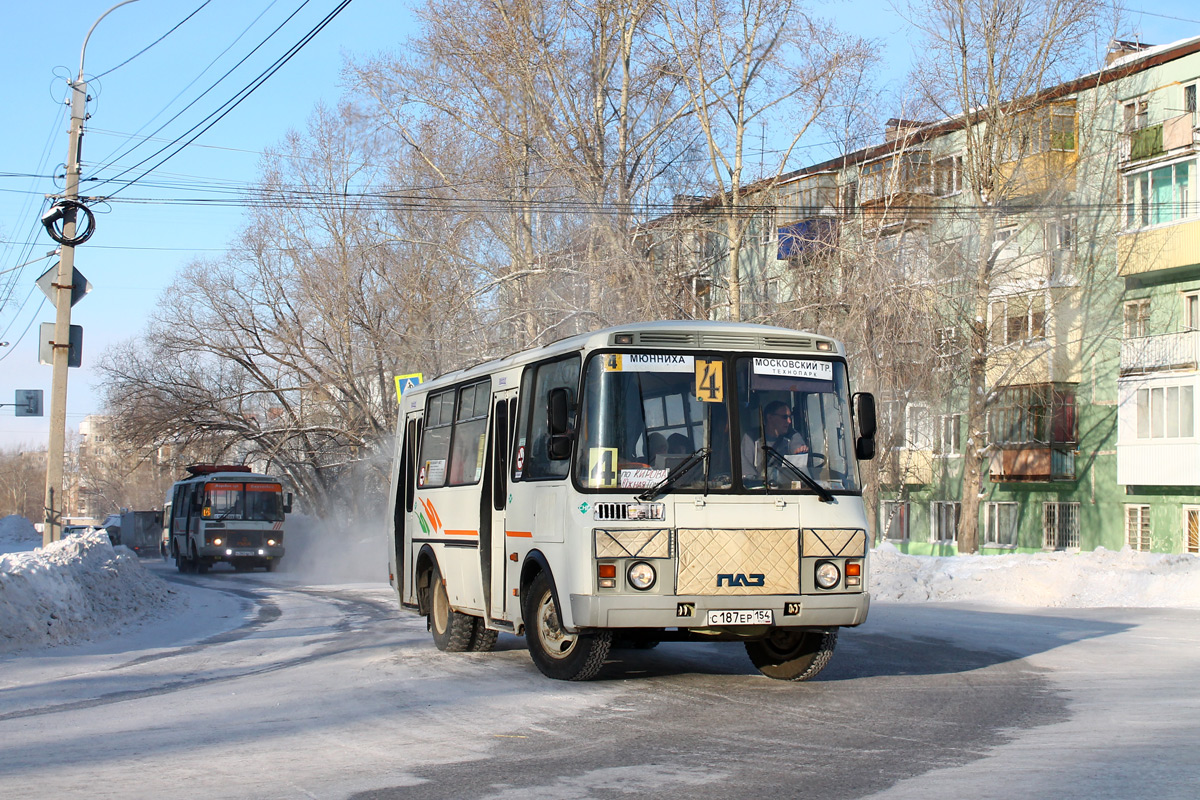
225, 513
658, 481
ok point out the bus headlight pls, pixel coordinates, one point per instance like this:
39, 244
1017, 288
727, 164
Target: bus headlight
828, 575
217, 542
641, 575
270, 542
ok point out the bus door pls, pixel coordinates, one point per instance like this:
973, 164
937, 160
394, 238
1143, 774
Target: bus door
498, 572
405, 522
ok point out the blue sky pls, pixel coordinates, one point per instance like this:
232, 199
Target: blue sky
137, 249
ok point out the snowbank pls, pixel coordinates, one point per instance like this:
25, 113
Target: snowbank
1103, 578
74, 590
17, 534
83, 588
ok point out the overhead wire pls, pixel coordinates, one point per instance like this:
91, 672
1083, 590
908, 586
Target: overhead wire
229, 105
108, 160
152, 44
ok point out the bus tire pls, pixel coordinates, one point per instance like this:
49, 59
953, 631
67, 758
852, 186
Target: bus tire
557, 654
452, 630
484, 640
793, 655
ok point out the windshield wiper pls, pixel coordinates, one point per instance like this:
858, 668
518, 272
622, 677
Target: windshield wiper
674, 475
825, 494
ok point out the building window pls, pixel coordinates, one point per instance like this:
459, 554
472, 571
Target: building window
947, 176
910, 424
1137, 318
943, 517
893, 520
1060, 526
1166, 412
1137, 115
1000, 524
1160, 195
1018, 318
947, 345
1060, 244
1137, 527
1191, 529
849, 198
1189, 101
948, 441
1191, 312
1036, 414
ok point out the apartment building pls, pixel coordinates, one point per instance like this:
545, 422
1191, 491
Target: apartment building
1092, 310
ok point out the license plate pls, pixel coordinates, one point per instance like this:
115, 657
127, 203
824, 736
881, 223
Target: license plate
245, 552
760, 616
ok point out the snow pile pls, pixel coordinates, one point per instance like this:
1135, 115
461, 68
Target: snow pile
1100, 579
74, 589
17, 534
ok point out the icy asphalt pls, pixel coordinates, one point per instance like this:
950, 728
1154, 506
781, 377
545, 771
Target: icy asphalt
270, 688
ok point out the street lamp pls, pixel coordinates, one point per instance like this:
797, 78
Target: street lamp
64, 284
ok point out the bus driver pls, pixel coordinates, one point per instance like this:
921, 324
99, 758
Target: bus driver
777, 421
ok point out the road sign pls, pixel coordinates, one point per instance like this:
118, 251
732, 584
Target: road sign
79, 286
406, 382
46, 345
29, 402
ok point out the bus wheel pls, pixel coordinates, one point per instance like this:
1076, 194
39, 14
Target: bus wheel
558, 654
181, 563
484, 640
452, 630
792, 655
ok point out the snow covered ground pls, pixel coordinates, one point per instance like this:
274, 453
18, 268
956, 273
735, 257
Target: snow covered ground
83, 588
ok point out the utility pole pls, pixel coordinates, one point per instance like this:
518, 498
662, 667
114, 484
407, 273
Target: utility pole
63, 285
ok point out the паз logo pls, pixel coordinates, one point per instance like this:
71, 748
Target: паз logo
741, 579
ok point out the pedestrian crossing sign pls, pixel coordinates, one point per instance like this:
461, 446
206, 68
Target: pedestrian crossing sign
406, 382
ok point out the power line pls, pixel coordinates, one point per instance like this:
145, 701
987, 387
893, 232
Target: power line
230, 104
156, 41
109, 159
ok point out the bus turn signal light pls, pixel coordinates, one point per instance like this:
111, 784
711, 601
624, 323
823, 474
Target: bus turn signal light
607, 571
853, 569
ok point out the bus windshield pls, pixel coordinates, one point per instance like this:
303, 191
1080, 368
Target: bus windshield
260, 502
643, 414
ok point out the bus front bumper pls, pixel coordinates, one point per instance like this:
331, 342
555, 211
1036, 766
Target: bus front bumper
223, 553
669, 611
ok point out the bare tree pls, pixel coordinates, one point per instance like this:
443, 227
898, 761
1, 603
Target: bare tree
744, 62
987, 62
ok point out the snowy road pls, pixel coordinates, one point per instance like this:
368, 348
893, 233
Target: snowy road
328, 691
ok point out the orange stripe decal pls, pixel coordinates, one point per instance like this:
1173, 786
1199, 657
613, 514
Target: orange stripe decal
521, 534
449, 532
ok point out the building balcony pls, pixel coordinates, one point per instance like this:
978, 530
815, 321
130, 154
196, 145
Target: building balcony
1158, 462
1035, 462
1171, 137
1176, 244
1051, 172
1168, 351
906, 466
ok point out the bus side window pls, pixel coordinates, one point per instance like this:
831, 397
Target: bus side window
435, 443
535, 422
470, 434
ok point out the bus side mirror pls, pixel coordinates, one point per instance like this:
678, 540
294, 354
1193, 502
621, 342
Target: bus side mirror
287, 506
864, 413
558, 413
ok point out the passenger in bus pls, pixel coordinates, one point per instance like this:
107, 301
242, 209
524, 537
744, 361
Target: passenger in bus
656, 447
679, 445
